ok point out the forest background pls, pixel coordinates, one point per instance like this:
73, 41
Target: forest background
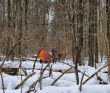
81, 27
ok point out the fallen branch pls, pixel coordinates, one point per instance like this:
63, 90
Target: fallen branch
24, 71
74, 68
2, 83
81, 82
24, 80
33, 85
101, 80
93, 74
62, 71
60, 76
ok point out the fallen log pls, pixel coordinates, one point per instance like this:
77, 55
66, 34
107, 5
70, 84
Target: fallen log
10, 71
62, 71
13, 71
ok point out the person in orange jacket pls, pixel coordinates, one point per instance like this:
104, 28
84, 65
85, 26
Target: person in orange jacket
56, 58
41, 55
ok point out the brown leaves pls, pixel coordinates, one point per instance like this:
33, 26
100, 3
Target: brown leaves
58, 5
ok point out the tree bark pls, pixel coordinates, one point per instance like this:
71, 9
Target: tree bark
80, 32
91, 35
20, 27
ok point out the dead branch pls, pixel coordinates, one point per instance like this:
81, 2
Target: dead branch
24, 80
101, 80
21, 69
40, 81
2, 83
60, 77
93, 74
33, 85
18, 69
50, 72
24, 71
74, 68
21, 81
81, 82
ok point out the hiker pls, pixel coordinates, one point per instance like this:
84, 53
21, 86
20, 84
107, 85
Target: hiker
41, 54
53, 54
64, 54
59, 56
47, 57
56, 58
50, 54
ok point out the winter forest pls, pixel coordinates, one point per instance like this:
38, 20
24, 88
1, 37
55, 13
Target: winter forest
54, 46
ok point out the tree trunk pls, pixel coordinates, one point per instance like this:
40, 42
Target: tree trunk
9, 27
20, 27
95, 33
80, 32
91, 35
108, 34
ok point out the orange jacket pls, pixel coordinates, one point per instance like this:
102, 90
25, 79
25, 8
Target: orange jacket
41, 54
57, 56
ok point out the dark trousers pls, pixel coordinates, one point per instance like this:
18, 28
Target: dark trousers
40, 61
55, 60
45, 62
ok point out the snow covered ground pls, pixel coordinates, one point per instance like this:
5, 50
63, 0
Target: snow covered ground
66, 84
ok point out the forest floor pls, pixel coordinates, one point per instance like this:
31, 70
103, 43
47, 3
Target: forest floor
66, 84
